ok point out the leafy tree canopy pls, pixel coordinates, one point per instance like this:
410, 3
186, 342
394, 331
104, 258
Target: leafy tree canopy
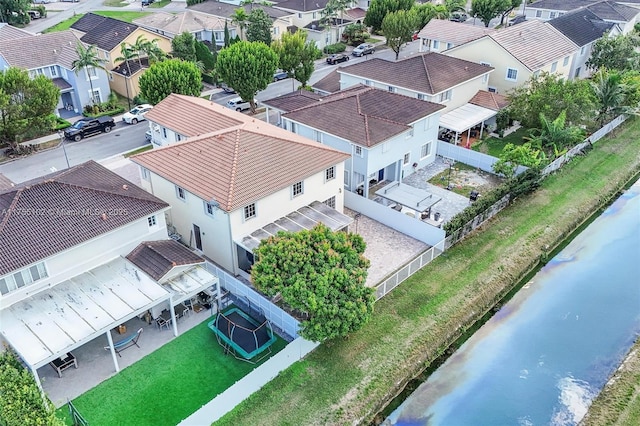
259, 28
455, 6
429, 11
354, 34
486, 10
550, 95
247, 67
320, 273
616, 53
14, 12
25, 104
170, 76
183, 46
613, 97
514, 155
296, 56
204, 56
378, 9
398, 27
554, 136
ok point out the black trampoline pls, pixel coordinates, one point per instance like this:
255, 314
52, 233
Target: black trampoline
242, 335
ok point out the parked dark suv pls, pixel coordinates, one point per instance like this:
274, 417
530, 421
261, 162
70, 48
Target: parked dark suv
88, 127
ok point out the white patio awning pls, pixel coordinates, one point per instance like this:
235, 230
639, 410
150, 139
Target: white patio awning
465, 117
408, 196
190, 282
68, 315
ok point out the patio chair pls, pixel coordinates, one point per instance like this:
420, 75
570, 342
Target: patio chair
164, 319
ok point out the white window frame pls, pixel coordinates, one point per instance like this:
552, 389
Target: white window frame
249, 211
410, 133
425, 150
358, 150
553, 15
91, 73
330, 174
53, 70
209, 208
391, 89
538, 14
435, 44
445, 96
152, 221
297, 189
145, 174
96, 96
181, 193
554, 66
368, 83
565, 61
406, 158
164, 132
514, 78
421, 97
318, 135
331, 202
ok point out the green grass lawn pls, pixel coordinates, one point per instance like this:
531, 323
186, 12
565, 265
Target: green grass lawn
347, 381
159, 4
166, 386
64, 25
494, 146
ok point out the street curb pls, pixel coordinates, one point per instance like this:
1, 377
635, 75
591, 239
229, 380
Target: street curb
122, 154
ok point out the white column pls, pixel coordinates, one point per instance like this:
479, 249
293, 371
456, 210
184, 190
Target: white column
173, 317
113, 351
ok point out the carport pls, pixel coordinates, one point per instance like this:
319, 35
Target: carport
409, 196
52, 323
464, 118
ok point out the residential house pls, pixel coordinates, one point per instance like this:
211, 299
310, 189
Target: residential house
388, 135
203, 27
440, 34
232, 187
281, 19
519, 52
53, 55
621, 12
64, 278
584, 28
9, 32
108, 35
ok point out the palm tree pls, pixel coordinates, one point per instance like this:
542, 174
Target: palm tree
332, 10
610, 93
87, 59
554, 135
139, 47
127, 53
239, 18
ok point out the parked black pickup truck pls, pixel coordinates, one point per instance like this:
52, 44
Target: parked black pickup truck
89, 127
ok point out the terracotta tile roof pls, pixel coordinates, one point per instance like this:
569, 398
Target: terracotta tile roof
9, 32
430, 73
357, 13
452, 32
236, 167
581, 26
44, 50
291, 101
364, 115
5, 183
157, 258
53, 213
534, 43
226, 10
328, 84
177, 23
490, 100
104, 32
191, 116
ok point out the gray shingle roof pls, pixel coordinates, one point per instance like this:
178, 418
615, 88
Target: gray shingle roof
5, 182
613, 11
429, 73
104, 32
329, 84
157, 258
364, 115
8, 32
44, 50
56, 212
559, 4
581, 26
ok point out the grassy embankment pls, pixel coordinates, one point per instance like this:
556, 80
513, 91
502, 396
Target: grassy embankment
349, 381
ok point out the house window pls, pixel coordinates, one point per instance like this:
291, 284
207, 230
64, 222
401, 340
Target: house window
144, 172
346, 178
436, 44
299, 15
410, 134
485, 78
552, 15
318, 135
314, 14
331, 202
565, 62
330, 173
91, 72
40, 71
512, 74
97, 98
449, 45
178, 137
297, 188
151, 220
538, 14
250, 211
444, 96
293, 127
23, 277
368, 83
492, 89
425, 150
421, 96
276, 30
181, 193
358, 150
577, 74
406, 158
218, 36
210, 208
199, 36
582, 50
536, 74
554, 66
164, 132
391, 89
54, 71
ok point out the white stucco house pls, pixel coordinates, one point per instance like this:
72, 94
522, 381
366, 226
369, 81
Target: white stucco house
239, 181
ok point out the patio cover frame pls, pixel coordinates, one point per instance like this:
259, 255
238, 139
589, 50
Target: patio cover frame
465, 117
409, 196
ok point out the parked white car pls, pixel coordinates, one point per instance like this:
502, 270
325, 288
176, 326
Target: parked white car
136, 114
239, 105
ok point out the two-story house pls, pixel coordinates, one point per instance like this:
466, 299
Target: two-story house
519, 52
388, 135
64, 276
621, 12
584, 28
281, 19
203, 27
232, 187
53, 55
441, 34
108, 35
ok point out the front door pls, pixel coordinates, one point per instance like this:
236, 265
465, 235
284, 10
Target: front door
380, 175
197, 236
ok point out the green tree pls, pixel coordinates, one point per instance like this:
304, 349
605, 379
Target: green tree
504, 13
240, 19
127, 53
514, 155
554, 135
486, 10
204, 55
319, 273
139, 47
227, 36
21, 401
398, 27
631, 82
296, 56
259, 28
550, 94
354, 34
25, 104
183, 46
615, 53
332, 10
611, 95
87, 58
378, 9
247, 67
14, 12
455, 6
429, 11
170, 76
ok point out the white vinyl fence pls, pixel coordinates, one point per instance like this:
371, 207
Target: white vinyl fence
468, 156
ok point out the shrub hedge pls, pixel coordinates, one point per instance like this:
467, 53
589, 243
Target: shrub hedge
335, 48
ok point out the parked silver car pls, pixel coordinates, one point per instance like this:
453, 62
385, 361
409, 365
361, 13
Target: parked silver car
363, 49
